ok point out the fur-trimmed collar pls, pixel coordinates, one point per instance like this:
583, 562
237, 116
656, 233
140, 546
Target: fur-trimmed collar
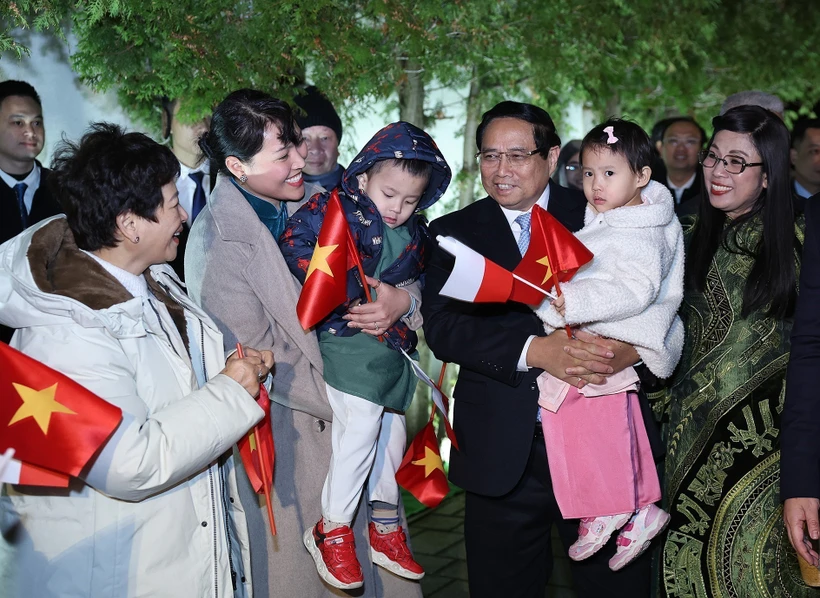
59, 267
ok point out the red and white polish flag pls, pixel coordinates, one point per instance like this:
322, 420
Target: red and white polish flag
474, 278
13, 471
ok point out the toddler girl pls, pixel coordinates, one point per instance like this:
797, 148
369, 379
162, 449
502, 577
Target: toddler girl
598, 450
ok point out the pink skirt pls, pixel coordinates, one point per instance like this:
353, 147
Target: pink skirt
599, 455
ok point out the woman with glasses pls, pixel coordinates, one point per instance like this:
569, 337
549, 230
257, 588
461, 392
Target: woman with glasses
568, 169
722, 472
235, 270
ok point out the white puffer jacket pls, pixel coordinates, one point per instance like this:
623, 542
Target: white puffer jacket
633, 287
155, 514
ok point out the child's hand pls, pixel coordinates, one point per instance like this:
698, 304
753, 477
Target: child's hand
558, 304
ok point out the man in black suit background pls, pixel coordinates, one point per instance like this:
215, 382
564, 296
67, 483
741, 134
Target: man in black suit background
24, 195
679, 145
501, 349
800, 430
196, 179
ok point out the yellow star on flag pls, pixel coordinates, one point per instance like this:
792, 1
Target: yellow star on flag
545, 261
431, 462
319, 260
39, 404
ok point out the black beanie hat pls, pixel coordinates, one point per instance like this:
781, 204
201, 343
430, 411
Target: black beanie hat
318, 111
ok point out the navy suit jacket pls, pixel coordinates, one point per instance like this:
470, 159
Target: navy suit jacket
800, 429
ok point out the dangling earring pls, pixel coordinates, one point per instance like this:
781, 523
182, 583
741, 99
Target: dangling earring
243, 179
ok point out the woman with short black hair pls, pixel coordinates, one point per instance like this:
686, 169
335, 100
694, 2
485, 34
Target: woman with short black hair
235, 270
722, 473
92, 297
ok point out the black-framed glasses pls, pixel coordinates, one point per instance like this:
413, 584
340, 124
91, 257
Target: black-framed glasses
515, 158
732, 164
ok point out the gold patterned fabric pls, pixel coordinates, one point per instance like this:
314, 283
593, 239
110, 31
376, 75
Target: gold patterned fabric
722, 471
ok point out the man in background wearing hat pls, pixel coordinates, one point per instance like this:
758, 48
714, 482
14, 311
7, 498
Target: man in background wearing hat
322, 129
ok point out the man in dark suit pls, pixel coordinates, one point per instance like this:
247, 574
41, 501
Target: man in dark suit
805, 159
501, 349
800, 434
25, 198
680, 143
195, 176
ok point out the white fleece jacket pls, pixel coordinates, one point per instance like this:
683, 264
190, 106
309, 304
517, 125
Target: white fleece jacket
633, 287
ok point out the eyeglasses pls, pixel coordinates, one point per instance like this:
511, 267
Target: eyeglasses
516, 158
572, 167
732, 164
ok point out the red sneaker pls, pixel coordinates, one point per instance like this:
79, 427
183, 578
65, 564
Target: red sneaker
390, 551
334, 553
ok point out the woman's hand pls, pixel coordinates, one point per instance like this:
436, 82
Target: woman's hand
374, 318
250, 370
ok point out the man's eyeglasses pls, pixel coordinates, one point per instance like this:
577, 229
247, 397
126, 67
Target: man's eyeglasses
732, 164
516, 158
572, 167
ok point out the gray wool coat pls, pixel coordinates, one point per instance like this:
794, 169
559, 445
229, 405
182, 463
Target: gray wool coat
235, 271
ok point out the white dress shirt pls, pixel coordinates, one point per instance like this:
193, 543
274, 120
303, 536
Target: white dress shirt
511, 215
186, 186
678, 191
32, 180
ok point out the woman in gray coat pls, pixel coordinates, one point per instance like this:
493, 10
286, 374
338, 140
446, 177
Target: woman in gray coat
234, 269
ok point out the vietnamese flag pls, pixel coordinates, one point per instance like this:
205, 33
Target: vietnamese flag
553, 256
325, 286
421, 472
258, 452
50, 420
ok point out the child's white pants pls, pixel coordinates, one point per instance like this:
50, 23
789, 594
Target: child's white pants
366, 441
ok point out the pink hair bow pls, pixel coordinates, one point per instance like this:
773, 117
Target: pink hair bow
610, 131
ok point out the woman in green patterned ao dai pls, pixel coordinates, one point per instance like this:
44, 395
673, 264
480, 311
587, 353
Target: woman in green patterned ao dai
726, 536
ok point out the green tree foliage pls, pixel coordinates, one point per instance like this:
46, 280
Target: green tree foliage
22, 15
642, 56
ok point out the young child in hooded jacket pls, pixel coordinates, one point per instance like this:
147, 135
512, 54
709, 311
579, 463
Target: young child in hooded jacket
600, 460
369, 382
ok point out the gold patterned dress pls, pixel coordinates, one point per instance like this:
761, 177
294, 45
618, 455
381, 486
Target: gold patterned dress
722, 472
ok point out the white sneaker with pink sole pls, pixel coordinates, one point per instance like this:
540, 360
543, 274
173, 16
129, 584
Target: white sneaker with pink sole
636, 535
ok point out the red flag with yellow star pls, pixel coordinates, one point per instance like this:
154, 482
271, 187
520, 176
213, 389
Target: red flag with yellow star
258, 452
325, 286
553, 256
421, 472
50, 420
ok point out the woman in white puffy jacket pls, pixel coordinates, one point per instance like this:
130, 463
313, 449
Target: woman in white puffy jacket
155, 512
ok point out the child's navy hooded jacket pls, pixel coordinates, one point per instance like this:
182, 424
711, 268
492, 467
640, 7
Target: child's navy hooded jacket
398, 140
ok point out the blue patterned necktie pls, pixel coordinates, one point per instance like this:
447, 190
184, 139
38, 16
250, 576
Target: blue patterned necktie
199, 195
20, 190
524, 239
